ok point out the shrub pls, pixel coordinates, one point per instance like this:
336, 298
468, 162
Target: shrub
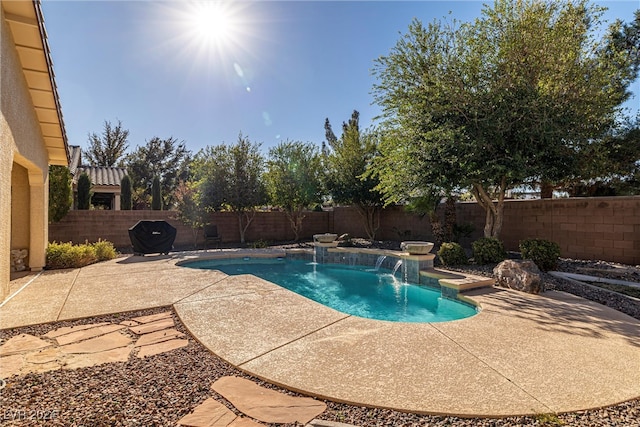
543, 252
451, 253
488, 250
156, 195
126, 192
68, 255
104, 250
84, 191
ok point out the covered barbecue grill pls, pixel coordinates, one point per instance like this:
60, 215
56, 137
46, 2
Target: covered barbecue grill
149, 237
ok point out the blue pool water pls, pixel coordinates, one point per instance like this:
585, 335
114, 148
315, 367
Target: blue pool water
357, 290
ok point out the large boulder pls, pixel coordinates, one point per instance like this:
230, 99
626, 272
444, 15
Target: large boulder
519, 275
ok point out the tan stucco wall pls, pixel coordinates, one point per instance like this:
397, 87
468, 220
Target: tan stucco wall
21, 143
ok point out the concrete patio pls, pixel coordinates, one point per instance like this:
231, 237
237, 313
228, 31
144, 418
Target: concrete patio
522, 354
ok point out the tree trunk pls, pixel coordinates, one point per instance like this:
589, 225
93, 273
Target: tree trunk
244, 216
546, 190
494, 211
436, 228
371, 218
295, 217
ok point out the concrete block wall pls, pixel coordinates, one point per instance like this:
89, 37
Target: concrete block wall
606, 228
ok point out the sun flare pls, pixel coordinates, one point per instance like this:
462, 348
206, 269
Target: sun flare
212, 22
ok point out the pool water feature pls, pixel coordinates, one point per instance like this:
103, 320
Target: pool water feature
355, 290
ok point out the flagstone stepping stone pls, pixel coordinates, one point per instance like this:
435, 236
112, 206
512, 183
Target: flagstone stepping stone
98, 344
11, 365
129, 323
162, 347
83, 360
22, 344
158, 336
48, 355
152, 317
158, 325
267, 405
244, 422
87, 333
209, 413
68, 329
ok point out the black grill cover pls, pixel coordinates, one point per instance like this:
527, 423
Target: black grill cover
149, 237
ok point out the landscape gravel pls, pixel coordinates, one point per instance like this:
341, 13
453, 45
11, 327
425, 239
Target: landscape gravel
161, 389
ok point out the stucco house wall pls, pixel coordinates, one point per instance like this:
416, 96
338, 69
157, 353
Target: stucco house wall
25, 154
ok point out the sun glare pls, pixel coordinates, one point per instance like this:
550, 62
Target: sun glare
212, 22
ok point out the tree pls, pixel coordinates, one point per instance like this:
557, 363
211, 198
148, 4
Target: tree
109, 148
293, 180
125, 193
60, 192
167, 159
427, 204
156, 195
348, 159
230, 178
489, 105
189, 208
612, 165
84, 191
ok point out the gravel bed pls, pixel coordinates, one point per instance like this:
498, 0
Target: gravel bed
161, 389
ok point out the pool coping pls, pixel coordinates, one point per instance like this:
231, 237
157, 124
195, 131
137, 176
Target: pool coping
494, 364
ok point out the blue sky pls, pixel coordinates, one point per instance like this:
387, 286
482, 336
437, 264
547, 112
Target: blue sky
276, 71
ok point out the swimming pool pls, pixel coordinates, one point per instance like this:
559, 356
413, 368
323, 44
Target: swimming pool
356, 290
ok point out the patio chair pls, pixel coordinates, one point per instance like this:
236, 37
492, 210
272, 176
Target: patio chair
211, 235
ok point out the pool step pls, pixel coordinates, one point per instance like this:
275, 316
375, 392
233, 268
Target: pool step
459, 282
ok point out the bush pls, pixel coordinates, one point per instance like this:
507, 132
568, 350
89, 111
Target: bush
104, 250
543, 252
488, 250
452, 254
68, 255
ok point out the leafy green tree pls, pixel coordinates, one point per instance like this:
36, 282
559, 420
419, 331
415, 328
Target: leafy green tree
293, 180
84, 191
347, 159
189, 209
166, 159
230, 178
612, 166
125, 193
60, 192
156, 195
109, 148
493, 104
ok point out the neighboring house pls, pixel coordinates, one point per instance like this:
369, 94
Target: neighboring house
32, 135
105, 181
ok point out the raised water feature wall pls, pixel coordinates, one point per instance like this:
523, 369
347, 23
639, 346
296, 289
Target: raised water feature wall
411, 264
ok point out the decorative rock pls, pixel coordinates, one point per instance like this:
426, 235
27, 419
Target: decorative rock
209, 413
18, 257
267, 405
519, 275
